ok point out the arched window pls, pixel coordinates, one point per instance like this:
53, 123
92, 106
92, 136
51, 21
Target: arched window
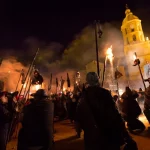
134, 38
132, 30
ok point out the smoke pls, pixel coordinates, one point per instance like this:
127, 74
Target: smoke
16, 60
10, 72
53, 58
82, 49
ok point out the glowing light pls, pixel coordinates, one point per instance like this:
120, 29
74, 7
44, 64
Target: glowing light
24, 86
109, 53
147, 39
37, 87
134, 57
143, 119
64, 89
120, 91
8, 71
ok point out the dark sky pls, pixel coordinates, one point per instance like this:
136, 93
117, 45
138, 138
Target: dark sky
52, 20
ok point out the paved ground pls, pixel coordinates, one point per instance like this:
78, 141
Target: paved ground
65, 137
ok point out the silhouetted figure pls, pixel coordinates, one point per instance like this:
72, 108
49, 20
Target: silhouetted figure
37, 124
103, 127
147, 104
131, 110
37, 79
5, 118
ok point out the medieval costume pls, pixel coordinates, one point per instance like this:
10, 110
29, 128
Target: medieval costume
37, 79
98, 117
131, 110
147, 104
37, 124
5, 117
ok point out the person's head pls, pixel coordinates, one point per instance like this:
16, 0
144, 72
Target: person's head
14, 96
115, 97
71, 95
36, 72
92, 79
3, 97
39, 94
128, 90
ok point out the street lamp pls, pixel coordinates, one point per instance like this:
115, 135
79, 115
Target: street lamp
99, 32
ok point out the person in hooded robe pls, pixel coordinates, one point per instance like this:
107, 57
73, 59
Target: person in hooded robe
37, 124
37, 79
99, 118
131, 110
5, 118
147, 104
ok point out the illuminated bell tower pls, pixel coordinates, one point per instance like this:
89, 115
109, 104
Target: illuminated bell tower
134, 41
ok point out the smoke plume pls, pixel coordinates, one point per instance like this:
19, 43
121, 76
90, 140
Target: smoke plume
53, 58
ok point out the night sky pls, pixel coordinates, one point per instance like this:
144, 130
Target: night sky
52, 20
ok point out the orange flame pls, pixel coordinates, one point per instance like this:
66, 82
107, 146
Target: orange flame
37, 87
109, 53
24, 86
134, 57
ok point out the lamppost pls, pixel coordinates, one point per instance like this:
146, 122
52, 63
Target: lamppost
137, 63
99, 32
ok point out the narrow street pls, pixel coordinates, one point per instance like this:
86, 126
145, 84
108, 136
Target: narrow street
65, 137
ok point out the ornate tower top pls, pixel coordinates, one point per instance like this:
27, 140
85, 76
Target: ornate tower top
127, 10
129, 15
131, 28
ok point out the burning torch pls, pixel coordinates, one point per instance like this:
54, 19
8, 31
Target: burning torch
109, 56
137, 63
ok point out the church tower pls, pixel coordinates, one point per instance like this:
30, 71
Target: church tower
134, 41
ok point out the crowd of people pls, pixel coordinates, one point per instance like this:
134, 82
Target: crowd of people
91, 109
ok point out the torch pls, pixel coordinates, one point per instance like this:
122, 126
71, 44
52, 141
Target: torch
99, 32
137, 63
21, 75
68, 81
109, 56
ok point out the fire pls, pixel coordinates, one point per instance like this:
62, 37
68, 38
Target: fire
64, 89
109, 53
24, 86
37, 87
120, 91
134, 57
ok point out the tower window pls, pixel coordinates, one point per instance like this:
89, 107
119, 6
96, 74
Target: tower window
126, 31
132, 30
134, 38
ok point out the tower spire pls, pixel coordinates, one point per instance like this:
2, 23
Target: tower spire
127, 6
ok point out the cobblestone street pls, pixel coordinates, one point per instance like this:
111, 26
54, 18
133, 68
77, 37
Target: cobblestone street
65, 137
